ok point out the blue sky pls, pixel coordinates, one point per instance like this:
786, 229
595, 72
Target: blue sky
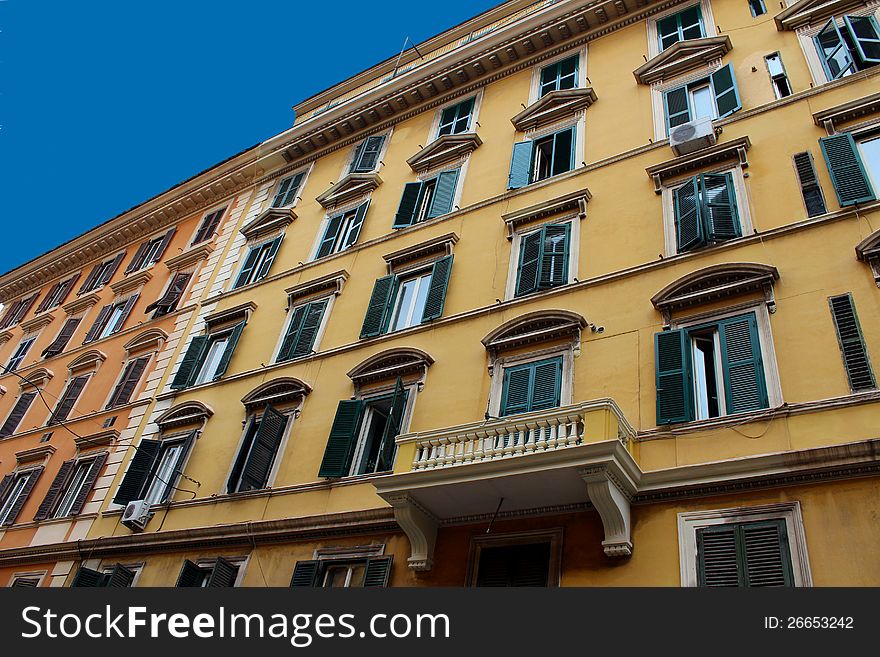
105, 104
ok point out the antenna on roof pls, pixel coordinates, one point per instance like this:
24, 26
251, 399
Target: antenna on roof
403, 50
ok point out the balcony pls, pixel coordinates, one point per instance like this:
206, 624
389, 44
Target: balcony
547, 460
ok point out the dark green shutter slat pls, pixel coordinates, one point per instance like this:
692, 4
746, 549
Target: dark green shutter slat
377, 310
744, 385
767, 554
120, 577
809, 182
852, 344
343, 434
367, 154
334, 223
305, 574
306, 340
86, 577
230, 348
674, 399
719, 206
409, 201
135, 478
190, 575
830, 46
377, 571
529, 263
726, 94
563, 152
554, 255
23, 495
270, 258
847, 170
249, 263
444, 194
546, 385
718, 557
436, 298
223, 574
191, 362
356, 225
515, 393
677, 109
688, 215
520, 165
293, 330
264, 450
392, 428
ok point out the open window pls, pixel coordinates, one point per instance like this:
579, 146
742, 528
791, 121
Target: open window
150, 252
167, 303
542, 157
341, 230
713, 97
428, 198
15, 488
111, 318
17, 311
344, 568
854, 164
680, 26
117, 576
101, 274
208, 355
288, 190
258, 261
210, 573
367, 154
71, 487
21, 351
458, 118
57, 294
848, 44
155, 468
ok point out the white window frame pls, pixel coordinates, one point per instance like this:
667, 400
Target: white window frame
502, 363
424, 277
213, 338
177, 439
654, 34
475, 114
579, 123
743, 206
67, 499
806, 36
292, 413
273, 190
40, 575
322, 327
239, 562
689, 522
516, 245
242, 259
28, 336
20, 476
226, 207
535, 82
412, 391
349, 158
136, 568
659, 89
325, 221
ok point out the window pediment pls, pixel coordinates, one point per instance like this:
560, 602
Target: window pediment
37, 379
568, 204
269, 221
681, 58
733, 150
351, 187
82, 303
808, 12
331, 283
36, 323
131, 282
833, 116
390, 364
146, 341
90, 359
191, 412
34, 454
432, 249
239, 313
99, 439
716, 282
535, 328
868, 251
275, 392
446, 149
553, 107
190, 257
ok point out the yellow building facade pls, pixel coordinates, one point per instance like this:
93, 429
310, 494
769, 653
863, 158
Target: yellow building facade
579, 294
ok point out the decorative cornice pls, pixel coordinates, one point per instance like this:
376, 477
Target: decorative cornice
242, 311
36, 323
82, 303
99, 439
151, 339
534, 327
131, 282
190, 257
436, 247
277, 391
391, 363
809, 12
352, 186
553, 107
868, 251
446, 149
735, 149
571, 202
37, 379
5, 337
682, 57
332, 283
189, 412
269, 221
39, 453
89, 359
833, 116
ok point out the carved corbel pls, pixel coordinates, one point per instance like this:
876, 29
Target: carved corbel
611, 498
420, 527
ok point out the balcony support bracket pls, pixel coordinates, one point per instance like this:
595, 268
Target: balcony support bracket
420, 527
610, 494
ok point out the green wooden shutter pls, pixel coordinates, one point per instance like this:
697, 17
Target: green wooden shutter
436, 298
190, 575
726, 94
188, 443
305, 573
230, 347
555, 241
334, 224
847, 170
444, 194
367, 154
304, 324
527, 273
677, 108
520, 165
409, 202
356, 224
688, 215
223, 574
852, 344
515, 389
377, 310
833, 51
809, 182
744, 385
287, 190
270, 258
563, 152
767, 553
263, 451
191, 363
865, 37
674, 398
546, 384
387, 447
86, 577
23, 495
718, 558
244, 276
120, 577
135, 479
377, 571
293, 330
719, 206
343, 435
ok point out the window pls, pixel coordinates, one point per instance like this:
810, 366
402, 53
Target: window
14, 491
22, 404
846, 158
258, 451
68, 398
117, 576
71, 487
150, 252
687, 24
757, 8
207, 357
287, 191
167, 303
154, 469
219, 573
848, 46
362, 435
531, 386
57, 294
713, 97
778, 78
811, 191
302, 331
852, 344
111, 319
514, 565
456, 118
535, 160
127, 383
366, 156
543, 259
426, 199
342, 230
258, 262
560, 75
208, 226
101, 274
401, 301
342, 573
705, 211
710, 370
25, 582
20, 352
64, 335
17, 311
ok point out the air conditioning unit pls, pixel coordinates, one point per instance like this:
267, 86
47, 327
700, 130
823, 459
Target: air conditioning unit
692, 136
136, 515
